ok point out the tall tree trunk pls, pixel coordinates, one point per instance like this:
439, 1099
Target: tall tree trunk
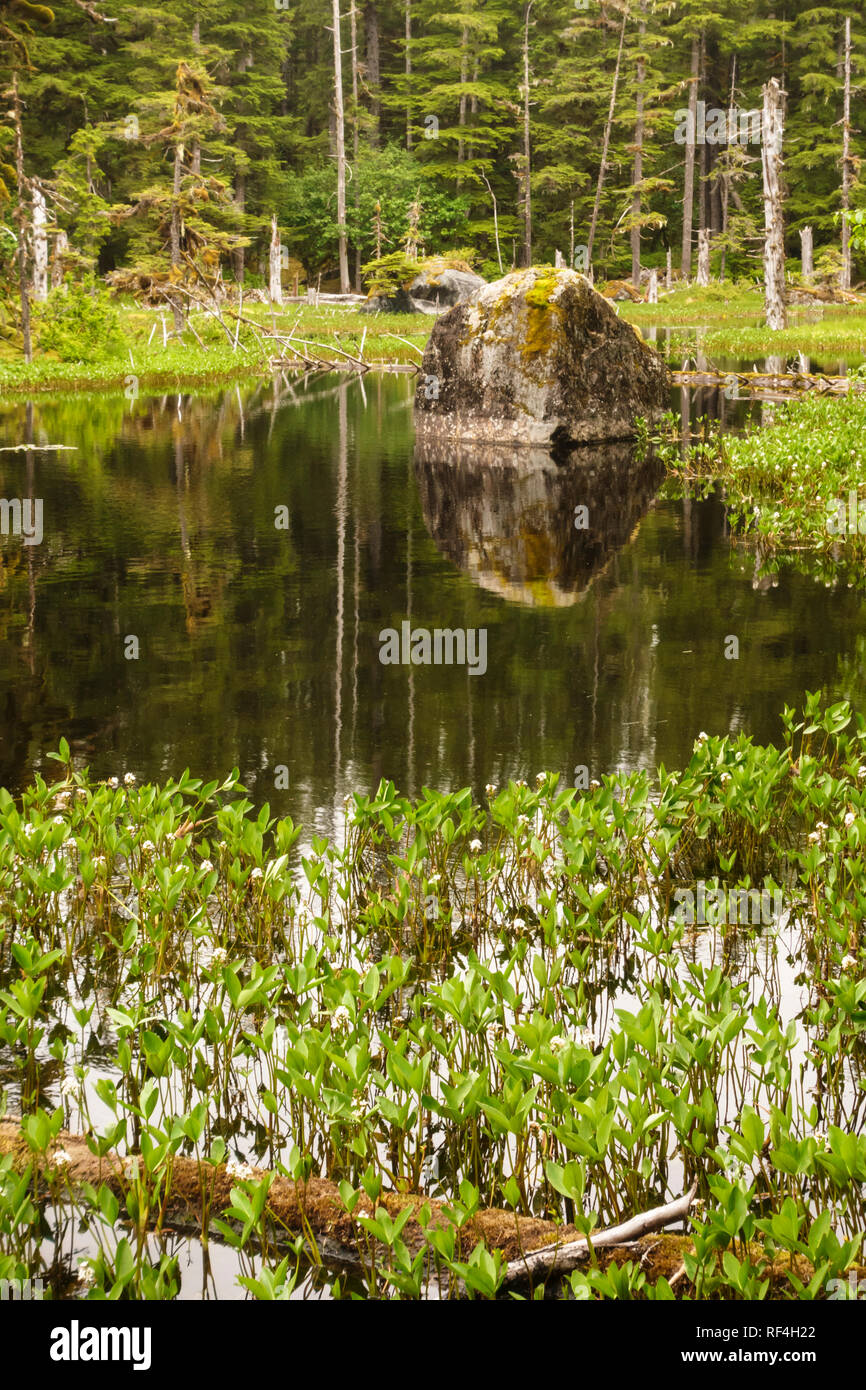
473, 108
726, 177
40, 245
373, 75
464, 74
275, 265
704, 256
527, 151
240, 203
341, 150
245, 61
702, 160
847, 171
195, 147
807, 266
408, 70
689, 183
356, 191
772, 132
602, 170
637, 170
21, 221
61, 246
175, 231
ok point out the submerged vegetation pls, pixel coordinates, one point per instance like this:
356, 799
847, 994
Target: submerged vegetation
502, 1006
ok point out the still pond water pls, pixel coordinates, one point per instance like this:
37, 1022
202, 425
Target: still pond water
251, 544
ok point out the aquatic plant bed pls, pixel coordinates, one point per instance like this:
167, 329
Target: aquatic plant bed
794, 483
459, 1034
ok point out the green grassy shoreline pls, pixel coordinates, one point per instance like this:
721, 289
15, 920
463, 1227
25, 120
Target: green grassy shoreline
730, 314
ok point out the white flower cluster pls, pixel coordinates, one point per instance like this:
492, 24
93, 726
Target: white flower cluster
584, 1037
236, 1169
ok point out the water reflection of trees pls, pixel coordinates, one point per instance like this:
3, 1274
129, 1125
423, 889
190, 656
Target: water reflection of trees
259, 646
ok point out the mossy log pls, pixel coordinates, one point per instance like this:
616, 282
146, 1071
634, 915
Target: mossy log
312, 1208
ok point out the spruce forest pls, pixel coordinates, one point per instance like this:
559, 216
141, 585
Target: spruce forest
164, 139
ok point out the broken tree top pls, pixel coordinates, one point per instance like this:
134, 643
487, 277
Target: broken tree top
537, 358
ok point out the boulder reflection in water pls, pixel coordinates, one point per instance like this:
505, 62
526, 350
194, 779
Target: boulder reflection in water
512, 519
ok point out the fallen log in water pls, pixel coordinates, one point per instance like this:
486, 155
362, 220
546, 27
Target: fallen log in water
783, 385
530, 1245
564, 1257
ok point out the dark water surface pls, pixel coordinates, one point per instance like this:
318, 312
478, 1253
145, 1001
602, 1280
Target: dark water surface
259, 646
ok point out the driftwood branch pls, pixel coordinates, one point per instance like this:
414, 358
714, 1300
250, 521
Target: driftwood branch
562, 1258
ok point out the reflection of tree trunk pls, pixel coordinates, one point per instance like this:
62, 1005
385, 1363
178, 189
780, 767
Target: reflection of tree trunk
340, 135
342, 475
31, 576
180, 483
685, 418
356, 614
410, 732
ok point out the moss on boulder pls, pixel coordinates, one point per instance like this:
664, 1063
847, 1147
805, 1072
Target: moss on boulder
538, 358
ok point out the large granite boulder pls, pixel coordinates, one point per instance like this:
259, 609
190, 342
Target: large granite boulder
400, 302
438, 286
537, 358
443, 286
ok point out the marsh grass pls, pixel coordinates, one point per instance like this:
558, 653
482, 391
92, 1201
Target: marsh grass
325, 333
